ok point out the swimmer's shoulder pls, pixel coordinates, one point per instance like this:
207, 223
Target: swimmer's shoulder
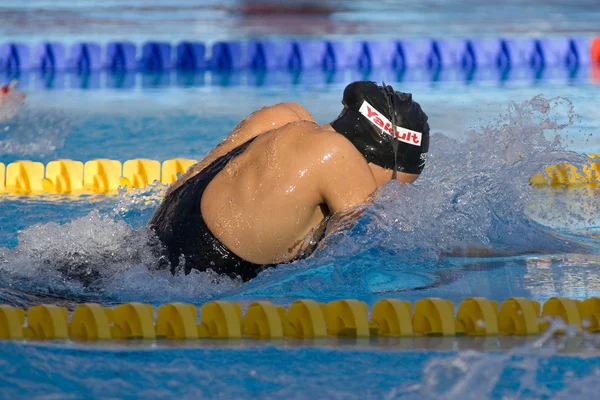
294, 111
342, 175
275, 116
321, 142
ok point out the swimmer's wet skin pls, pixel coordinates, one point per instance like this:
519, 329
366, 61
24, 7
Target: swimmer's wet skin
264, 195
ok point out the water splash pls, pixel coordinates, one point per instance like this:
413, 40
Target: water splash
519, 373
474, 193
136, 206
289, 369
102, 254
473, 198
34, 133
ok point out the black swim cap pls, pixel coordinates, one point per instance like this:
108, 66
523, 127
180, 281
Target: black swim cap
367, 118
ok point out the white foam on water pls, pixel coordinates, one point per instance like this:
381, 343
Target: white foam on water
584, 388
520, 373
475, 192
101, 253
34, 133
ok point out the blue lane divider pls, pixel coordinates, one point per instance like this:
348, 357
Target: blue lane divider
443, 54
506, 56
415, 53
125, 80
226, 56
331, 55
263, 55
473, 54
298, 55
14, 57
85, 57
483, 53
295, 55
191, 56
121, 56
49, 56
563, 52
369, 54
531, 54
156, 56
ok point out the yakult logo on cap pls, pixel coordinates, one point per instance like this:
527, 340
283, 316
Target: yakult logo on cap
402, 134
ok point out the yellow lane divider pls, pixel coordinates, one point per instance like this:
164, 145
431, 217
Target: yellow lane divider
174, 166
64, 176
24, 177
566, 174
139, 173
102, 176
95, 176
106, 176
475, 316
2, 178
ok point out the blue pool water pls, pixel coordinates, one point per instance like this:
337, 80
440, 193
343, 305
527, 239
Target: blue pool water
263, 371
489, 136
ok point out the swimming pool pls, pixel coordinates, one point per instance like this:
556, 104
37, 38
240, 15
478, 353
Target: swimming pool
491, 135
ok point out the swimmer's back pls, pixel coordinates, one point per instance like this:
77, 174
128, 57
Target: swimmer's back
267, 202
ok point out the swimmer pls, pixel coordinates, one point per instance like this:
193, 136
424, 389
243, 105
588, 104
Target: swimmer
11, 101
264, 195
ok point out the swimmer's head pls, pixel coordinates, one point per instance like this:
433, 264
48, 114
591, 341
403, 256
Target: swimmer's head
369, 113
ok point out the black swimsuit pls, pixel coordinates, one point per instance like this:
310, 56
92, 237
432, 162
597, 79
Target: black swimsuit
179, 225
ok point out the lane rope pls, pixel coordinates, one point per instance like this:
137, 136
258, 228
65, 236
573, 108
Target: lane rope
153, 56
107, 176
304, 319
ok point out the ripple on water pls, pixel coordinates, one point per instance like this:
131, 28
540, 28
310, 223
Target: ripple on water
474, 192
